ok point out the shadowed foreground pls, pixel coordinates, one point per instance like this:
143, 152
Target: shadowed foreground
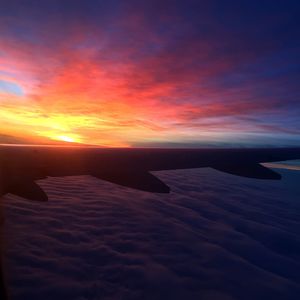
215, 236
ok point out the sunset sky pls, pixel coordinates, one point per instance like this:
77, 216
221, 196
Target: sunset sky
150, 73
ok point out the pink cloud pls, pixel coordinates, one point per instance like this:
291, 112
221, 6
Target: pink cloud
122, 92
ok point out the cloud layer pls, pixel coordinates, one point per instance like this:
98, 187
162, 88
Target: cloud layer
216, 236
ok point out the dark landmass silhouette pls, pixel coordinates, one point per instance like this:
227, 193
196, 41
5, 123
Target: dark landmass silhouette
22, 166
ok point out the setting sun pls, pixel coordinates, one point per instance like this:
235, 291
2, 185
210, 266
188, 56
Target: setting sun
66, 139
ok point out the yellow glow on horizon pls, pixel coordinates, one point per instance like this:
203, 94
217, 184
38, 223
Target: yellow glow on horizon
34, 123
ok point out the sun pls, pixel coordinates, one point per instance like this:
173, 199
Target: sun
66, 138
62, 136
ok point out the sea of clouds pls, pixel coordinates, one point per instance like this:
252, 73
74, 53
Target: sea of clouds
214, 237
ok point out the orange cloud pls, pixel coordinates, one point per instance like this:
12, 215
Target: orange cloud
101, 95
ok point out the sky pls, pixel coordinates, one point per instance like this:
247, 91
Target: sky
150, 73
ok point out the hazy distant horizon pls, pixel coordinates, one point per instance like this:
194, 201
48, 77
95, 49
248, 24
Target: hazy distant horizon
10, 140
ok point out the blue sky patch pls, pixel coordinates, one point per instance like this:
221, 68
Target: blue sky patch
10, 88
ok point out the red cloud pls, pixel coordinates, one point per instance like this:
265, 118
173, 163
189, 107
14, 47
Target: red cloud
110, 91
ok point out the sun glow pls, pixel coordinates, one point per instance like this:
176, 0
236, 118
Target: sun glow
66, 138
